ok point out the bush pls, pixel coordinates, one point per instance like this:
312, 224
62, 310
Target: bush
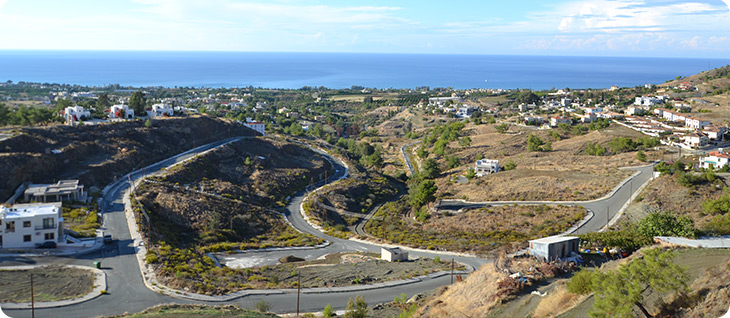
328, 311
625, 239
719, 225
666, 224
581, 283
719, 206
357, 308
263, 306
510, 165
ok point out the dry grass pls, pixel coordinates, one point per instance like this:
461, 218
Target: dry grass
557, 302
566, 173
666, 194
471, 298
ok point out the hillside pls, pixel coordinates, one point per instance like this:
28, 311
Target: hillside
96, 155
225, 199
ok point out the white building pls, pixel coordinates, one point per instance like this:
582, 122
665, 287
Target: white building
486, 166
554, 247
695, 139
257, 126
716, 159
64, 190
25, 225
636, 110
121, 112
647, 101
161, 110
75, 114
393, 254
557, 120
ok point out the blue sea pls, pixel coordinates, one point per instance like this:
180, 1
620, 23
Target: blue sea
340, 70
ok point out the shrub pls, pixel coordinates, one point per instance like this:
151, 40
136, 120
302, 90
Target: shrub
328, 311
666, 224
580, 283
263, 306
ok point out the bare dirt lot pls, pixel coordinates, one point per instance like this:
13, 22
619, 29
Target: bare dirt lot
346, 269
565, 173
50, 283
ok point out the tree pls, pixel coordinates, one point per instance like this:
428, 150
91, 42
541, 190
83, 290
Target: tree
138, 102
102, 103
641, 156
666, 224
510, 165
534, 143
357, 308
470, 173
430, 169
423, 192
617, 292
502, 128
465, 142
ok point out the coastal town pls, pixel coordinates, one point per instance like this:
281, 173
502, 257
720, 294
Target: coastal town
228, 194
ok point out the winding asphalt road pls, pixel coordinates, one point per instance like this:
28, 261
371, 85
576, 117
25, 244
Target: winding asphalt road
127, 292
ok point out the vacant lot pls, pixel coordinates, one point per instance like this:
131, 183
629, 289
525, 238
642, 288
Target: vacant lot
565, 173
664, 193
195, 311
342, 269
476, 231
50, 283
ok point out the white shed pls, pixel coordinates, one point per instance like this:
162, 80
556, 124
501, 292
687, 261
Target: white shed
394, 254
554, 247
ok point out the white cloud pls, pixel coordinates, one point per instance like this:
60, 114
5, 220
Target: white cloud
2, 3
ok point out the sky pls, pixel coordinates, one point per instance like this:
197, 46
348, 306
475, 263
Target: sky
653, 28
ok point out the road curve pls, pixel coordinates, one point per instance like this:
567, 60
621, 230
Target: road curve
127, 292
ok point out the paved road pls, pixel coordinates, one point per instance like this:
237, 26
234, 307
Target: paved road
127, 292
604, 209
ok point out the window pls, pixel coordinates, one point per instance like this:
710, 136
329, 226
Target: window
48, 223
26, 223
10, 227
49, 236
26, 238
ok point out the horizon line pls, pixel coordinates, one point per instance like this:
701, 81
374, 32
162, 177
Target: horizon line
363, 53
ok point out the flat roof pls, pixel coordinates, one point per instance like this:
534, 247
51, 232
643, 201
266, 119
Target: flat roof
63, 186
554, 239
31, 209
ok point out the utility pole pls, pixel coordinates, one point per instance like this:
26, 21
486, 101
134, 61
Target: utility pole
32, 297
299, 287
452, 270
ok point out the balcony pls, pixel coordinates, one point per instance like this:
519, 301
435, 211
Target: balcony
46, 227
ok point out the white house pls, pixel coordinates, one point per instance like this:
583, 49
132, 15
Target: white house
256, 126
647, 101
716, 159
696, 123
635, 110
25, 225
554, 247
485, 166
64, 190
465, 112
557, 120
695, 139
121, 112
161, 110
75, 113
715, 132
393, 254
588, 117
